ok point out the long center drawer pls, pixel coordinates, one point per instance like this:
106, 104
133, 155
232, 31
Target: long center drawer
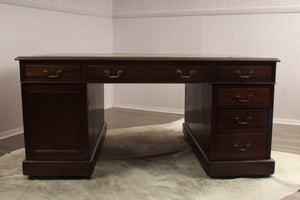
148, 72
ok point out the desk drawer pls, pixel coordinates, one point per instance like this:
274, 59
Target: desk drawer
181, 72
53, 73
245, 73
231, 119
115, 72
243, 96
239, 147
148, 72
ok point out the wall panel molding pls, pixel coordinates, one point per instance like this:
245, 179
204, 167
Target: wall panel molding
98, 8
199, 12
158, 8
167, 8
26, 31
257, 35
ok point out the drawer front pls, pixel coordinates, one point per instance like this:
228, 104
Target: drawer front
111, 73
53, 73
231, 119
243, 96
148, 73
239, 147
181, 72
245, 73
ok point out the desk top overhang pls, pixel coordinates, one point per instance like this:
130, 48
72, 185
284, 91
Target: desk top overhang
142, 68
140, 57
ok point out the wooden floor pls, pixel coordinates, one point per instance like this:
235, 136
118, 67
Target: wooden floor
286, 138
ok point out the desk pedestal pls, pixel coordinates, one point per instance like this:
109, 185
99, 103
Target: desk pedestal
237, 144
64, 128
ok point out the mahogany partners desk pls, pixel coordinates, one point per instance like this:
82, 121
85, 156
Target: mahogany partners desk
228, 109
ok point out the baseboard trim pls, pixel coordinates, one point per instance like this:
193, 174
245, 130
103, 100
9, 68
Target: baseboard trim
59, 7
286, 121
11, 132
209, 11
149, 108
107, 106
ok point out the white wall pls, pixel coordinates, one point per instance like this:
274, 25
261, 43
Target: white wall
99, 8
213, 28
28, 31
147, 8
253, 35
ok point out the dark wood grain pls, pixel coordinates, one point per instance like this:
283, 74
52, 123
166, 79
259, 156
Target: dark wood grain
261, 72
242, 118
231, 168
95, 110
67, 73
50, 133
73, 114
60, 130
217, 137
235, 95
64, 168
150, 71
143, 57
225, 149
198, 114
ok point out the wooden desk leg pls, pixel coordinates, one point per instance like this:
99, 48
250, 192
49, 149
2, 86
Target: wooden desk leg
62, 137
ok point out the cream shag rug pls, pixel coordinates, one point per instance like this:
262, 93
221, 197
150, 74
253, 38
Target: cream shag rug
151, 162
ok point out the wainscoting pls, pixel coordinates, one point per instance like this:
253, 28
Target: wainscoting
30, 31
244, 35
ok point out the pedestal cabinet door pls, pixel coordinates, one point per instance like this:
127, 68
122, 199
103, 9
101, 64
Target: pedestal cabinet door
55, 122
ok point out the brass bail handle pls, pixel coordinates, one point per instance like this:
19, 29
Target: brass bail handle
178, 71
238, 97
237, 119
113, 76
58, 73
238, 148
239, 73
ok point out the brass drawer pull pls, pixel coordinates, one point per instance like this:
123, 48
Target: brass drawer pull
237, 119
238, 97
178, 71
237, 148
58, 73
239, 73
112, 76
